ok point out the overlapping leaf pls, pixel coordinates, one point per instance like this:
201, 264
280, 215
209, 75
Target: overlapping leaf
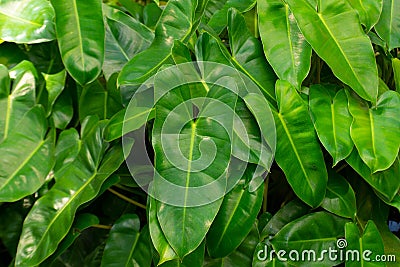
334, 32
287, 51
298, 152
388, 27
80, 34
368, 11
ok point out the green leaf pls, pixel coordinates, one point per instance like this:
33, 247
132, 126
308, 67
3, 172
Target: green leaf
396, 73
62, 110
388, 27
124, 247
290, 212
385, 182
195, 258
125, 37
219, 20
67, 149
243, 254
316, 232
375, 130
247, 54
23, 171
369, 240
80, 35
26, 21
55, 84
51, 216
332, 120
235, 218
340, 198
176, 22
151, 15
22, 98
334, 32
98, 100
81, 222
298, 152
368, 11
165, 251
288, 52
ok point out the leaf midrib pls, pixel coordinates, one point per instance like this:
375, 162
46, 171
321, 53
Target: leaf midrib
79, 31
20, 19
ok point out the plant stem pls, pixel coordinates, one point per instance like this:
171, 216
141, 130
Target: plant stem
127, 199
101, 226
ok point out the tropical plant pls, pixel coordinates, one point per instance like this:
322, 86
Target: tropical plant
199, 132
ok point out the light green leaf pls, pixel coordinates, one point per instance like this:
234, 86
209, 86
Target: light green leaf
288, 52
235, 217
332, 120
369, 240
375, 130
51, 217
124, 247
388, 27
298, 152
247, 55
26, 21
80, 35
54, 85
334, 32
368, 11
396, 73
125, 37
340, 198
24, 168
385, 182
314, 232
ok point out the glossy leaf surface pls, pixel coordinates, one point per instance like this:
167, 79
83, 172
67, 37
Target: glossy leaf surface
288, 52
297, 151
368, 11
26, 21
348, 53
80, 35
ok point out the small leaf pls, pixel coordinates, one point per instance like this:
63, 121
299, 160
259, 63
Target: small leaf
54, 85
396, 73
332, 120
340, 198
375, 130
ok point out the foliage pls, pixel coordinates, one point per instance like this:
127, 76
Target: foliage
327, 75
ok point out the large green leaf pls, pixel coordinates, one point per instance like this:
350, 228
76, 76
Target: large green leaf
80, 35
385, 182
186, 224
314, 232
288, 52
388, 27
176, 22
124, 247
334, 32
359, 244
332, 120
24, 168
247, 54
375, 130
52, 215
26, 21
298, 152
22, 98
340, 198
125, 37
368, 11
242, 255
235, 218
55, 84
